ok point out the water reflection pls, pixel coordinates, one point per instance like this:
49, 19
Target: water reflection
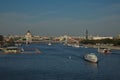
92, 65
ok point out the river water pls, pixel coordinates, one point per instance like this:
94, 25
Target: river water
59, 62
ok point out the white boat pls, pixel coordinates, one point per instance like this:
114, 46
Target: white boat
76, 46
49, 44
91, 57
104, 50
12, 50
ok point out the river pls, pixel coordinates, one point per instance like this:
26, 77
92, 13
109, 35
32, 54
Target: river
59, 62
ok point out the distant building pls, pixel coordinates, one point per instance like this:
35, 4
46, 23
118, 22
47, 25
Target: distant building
28, 37
119, 36
86, 34
100, 38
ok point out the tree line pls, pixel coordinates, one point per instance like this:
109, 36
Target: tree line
9, 42
115, 42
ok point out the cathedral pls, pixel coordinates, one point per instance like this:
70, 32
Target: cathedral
28, 37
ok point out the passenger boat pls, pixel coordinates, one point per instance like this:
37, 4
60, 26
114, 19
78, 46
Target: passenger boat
12, 50
91, 57
104, 50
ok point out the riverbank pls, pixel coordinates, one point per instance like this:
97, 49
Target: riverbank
104, 46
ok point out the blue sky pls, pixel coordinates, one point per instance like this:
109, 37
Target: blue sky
60, 17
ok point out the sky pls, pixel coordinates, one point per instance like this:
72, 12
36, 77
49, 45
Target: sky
60, 17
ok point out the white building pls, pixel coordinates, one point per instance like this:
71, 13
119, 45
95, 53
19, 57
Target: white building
99, 38
119, 36
28, 37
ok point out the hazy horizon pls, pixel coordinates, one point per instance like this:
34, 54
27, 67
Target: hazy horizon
59, 17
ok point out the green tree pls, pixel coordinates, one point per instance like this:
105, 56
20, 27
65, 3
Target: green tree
1, 40
10, 42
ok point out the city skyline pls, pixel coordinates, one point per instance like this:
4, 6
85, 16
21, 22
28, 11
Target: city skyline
59, 17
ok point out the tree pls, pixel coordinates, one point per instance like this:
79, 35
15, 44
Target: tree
1, 40
10, 42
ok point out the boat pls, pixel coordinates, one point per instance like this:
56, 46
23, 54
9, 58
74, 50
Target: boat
91, 57
13, 49
104, 50
76, 45
49, 44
